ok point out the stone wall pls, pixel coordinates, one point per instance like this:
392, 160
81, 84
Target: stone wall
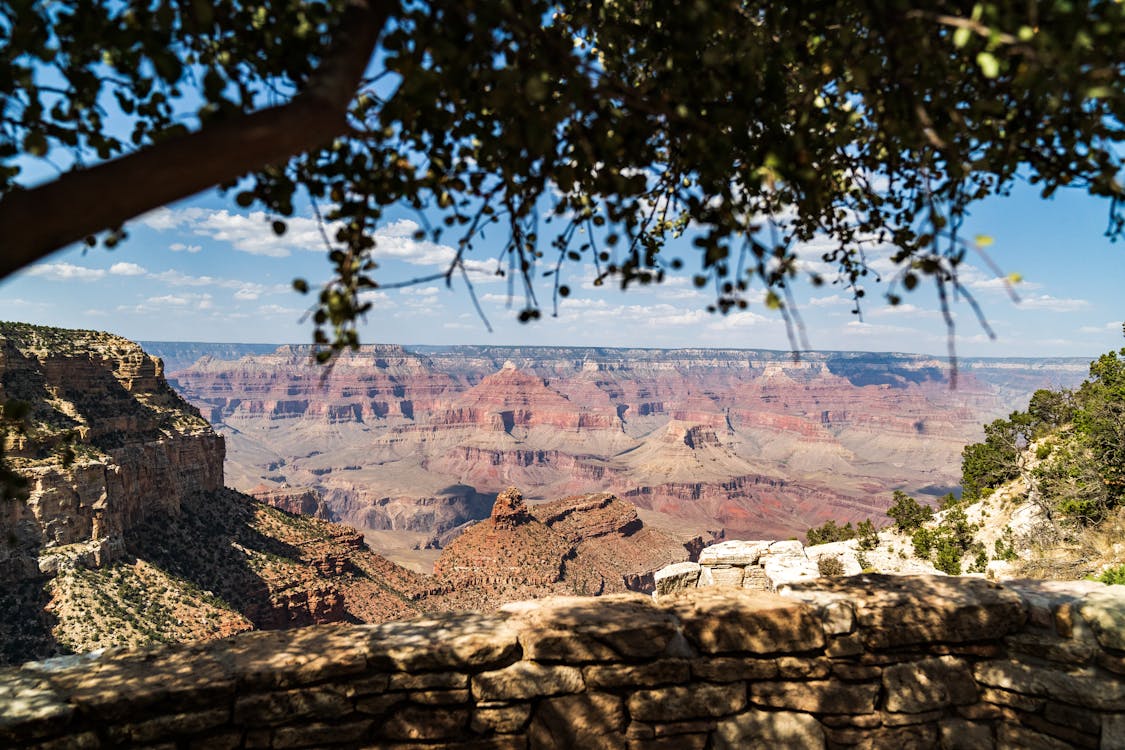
871, 661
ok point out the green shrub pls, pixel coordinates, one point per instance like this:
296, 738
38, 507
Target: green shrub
1005, 546
980, 559
867, 535
830, 566
948, 559
907, 513
1114, 576
829, 532
864, 563
923, 540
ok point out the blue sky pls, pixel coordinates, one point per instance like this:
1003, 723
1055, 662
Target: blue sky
205, 270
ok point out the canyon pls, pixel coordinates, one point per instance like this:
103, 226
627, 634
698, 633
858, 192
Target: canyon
123, 532
412, 443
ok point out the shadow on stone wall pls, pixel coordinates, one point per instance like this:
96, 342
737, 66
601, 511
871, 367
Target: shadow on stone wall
869, 660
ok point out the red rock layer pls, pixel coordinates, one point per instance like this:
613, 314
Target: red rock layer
695, 433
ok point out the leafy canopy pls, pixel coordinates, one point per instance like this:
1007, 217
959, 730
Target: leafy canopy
760, 125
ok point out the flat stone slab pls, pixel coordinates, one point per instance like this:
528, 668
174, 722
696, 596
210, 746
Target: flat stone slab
723, 620
777, 730
579, 629
1088, 688
676, 577
1044, 597
1104, 610
907, 610
733, 553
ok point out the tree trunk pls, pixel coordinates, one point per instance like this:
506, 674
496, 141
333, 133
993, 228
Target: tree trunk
36, 222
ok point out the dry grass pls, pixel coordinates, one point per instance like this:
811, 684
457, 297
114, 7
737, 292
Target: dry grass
1072, 552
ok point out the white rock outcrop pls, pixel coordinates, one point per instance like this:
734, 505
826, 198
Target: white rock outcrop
762, 565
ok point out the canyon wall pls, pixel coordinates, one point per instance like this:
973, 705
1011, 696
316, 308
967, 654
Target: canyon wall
420, 439
866, 661
105, 446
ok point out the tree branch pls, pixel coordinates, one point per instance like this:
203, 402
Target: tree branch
36, 222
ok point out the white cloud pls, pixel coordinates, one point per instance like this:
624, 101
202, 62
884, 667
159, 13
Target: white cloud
425, 291
901, 310
187, 301
831, 300
379, 300
998, 284
1113, 325
66, 272
245, 288
177, 278
200, 301
251, 233
859, 328
163, 219
179, 247
1053, 304
127, 269
279, 310
396, 241
738, 320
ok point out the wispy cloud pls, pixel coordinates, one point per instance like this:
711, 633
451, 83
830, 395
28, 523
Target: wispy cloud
179, 247
1113, 325
902, 310
66, 272
251, 233
186, 301
1053, 304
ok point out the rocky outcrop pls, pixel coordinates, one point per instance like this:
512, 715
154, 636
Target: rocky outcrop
869, 661
589, 517
509, 556
584, 544
509, 511
107, 446
303, 500
128, 536
759, 566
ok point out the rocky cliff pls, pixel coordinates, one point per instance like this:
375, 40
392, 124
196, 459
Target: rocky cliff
127, 535
421, 439
106, 446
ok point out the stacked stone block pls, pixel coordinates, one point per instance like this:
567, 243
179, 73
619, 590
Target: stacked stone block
867, 661
759, 566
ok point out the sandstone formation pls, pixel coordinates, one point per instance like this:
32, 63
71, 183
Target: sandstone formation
588, 545
106, 445
867, 661
303, 501
421, 440
127, 535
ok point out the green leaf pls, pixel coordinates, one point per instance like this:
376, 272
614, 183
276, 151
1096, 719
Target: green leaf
961, 37
989, 65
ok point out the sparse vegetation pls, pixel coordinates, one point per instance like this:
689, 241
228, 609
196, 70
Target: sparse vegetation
1114, 576
866, 535
830, 565
828, 532
907, 513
